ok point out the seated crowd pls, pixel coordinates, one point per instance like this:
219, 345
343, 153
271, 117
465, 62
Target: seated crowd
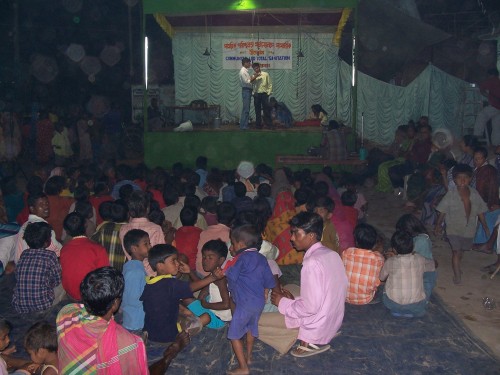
150, 257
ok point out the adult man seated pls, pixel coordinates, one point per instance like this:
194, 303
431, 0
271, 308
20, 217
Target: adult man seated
319, 311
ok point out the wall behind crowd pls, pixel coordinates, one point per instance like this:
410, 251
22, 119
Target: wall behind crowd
319, 77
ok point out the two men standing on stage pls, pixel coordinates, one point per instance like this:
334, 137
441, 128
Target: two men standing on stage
261, 86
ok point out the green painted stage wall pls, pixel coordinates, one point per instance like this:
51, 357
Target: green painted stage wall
225, 149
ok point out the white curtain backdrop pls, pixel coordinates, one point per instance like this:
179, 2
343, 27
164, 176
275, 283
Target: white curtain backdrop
320, 77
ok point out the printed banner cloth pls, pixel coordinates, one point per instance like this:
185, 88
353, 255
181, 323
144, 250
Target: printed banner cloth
270, 53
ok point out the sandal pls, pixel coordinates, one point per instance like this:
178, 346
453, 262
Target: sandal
309, 350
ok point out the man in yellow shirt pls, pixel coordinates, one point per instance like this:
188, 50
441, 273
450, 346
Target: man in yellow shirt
262, 88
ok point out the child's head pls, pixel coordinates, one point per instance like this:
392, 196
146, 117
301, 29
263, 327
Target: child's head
37, 235
409, 223
188, 216
350, 184
105, 210
226, 212
240, 189
119, 211
402, 242
38, 204
5, 328
101, 188
193, 201
54, 185
82, 193
324, 207
125, 191
302, 196
40, 340
136, 242
74, 224
85, 209
480, 156
348, 198
170, 195
156, 216
462, 174
102, 290
138, 204
321, 189
201, 162
365, 236
214, 255
264, 190
245, 236
209, 204
163, 259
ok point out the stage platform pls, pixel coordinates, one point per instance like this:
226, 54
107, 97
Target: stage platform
227, 146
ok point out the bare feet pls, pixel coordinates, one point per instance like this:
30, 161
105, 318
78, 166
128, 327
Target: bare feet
483, 248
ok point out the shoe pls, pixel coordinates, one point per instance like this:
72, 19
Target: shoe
309, 350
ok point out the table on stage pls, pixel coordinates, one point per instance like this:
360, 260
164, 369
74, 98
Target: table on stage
206, 110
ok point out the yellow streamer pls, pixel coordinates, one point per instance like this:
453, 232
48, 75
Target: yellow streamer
340, 27
162, 21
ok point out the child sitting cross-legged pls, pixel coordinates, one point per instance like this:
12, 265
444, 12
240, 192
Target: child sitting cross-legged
41, 344
362, 264
163, 293
38, 273
213, 299
137, 245
248, 275
404, 293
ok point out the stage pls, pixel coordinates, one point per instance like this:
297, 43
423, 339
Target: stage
227, 146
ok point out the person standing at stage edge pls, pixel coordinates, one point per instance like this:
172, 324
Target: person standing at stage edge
262, 88
491, 88
246, 91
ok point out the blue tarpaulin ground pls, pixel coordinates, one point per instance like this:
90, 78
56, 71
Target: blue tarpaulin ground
372, 342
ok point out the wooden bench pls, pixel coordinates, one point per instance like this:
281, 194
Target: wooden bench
282, 160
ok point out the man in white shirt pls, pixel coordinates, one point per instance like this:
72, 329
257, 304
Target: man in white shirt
246, 91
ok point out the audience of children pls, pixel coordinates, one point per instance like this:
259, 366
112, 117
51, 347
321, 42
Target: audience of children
240, 296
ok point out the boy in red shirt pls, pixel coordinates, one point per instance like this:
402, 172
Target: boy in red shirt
188, 236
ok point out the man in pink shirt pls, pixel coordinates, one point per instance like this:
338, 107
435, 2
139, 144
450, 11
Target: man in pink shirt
319, 311
138, 206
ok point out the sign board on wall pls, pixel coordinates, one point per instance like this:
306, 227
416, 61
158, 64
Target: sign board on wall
270, 53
